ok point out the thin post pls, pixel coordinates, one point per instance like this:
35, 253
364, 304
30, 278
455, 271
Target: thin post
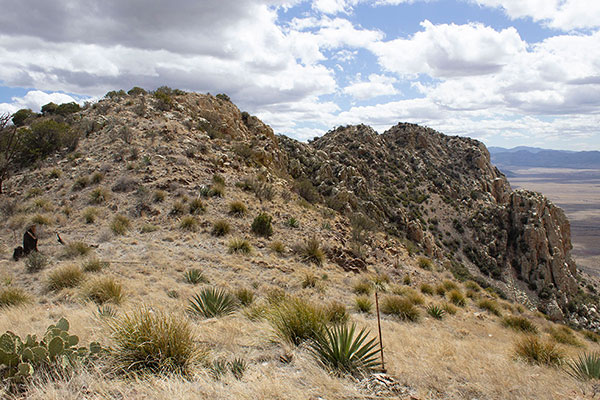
379, 328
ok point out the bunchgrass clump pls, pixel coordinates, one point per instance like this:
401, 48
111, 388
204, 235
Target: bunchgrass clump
148, 341
400, 307
96, 178
450, 309
362, 286
262, 225
99, 196
239, 245
585, 367
310, 280
237, 209
245, 296
76, 249
90, 214
148, 228
336, 313
220, 228
197, 207
159, 196
195, 276
296, 320
413, 296
311, 251
440, 290
102, 290
591, 336
490, 305
67, 276
535, 351
565, 335
425, 263
343, 350
363, 304
427, 289
449, 285
457, 298
120, 225
472, 286
435, 311
94, 265
177, 209
519, 324
41, 220
35, 262
13, 296
278, 247
212, 302
189, 223
106, 311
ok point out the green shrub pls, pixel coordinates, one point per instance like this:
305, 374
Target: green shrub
189, 223
245, 296
12, 296
99, 196
363, 286
563, 334
457, 298
296, 320
262, 225
238, 245
220, 228
197, 207
155, 342
136, 91
103, 290
45, 137
435, 311
425, 263
64, 277
35, 262
95, 265
195, 276
76, 249
534, 351
363, 304
212, 302
21, 116
120, 225
336, 313
311, 251
164, 100
400, 307
490, 305
237, 209
343, 351
519, 324
90, 214
427, 289
585, 367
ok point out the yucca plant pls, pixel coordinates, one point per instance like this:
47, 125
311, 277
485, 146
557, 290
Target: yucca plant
342, 350
212, 302
585, 367
106, 311
436, 311
195, 276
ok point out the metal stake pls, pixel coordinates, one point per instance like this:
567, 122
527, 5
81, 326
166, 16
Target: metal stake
379, 327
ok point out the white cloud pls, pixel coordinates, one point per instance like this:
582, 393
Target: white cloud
34, 100
377, 85
560, 14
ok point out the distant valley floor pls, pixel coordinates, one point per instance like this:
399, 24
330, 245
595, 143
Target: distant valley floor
577, 192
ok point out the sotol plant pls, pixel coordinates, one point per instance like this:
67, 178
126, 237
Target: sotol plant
212, 302
585, 367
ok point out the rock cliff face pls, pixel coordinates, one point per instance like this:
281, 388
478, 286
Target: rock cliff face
443, 193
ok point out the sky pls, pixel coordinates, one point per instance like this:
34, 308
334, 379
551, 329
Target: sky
506, 72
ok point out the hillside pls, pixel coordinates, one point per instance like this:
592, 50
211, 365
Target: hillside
145, 197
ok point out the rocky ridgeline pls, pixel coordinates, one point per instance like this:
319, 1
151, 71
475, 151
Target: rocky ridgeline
439, 193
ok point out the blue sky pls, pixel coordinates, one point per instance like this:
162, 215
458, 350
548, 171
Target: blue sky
507, 72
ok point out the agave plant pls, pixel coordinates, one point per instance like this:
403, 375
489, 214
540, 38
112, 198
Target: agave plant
585, 367
195, 276
342, 350
435, 311
212, 302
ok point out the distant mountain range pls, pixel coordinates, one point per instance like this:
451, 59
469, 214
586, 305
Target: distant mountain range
524, 156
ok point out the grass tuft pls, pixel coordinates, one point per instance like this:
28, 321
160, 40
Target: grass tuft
457, 298
189, 223
103, 290
534, 351
519, 324
490, 305
76, 249
400, 307
237, 209
120, 225
94, 265
296, 320
35, 262
565, 335
67, 276
220, 228
245, 296
238, 245
311, 251
195, 276
12, 296
363, 304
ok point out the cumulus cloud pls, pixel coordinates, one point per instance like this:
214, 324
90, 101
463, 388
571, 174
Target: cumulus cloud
560, 14
375, 86
34, 100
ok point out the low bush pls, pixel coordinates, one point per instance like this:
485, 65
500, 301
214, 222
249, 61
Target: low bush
212, 302
67, 276
156, 342
400, 307
262, 225
534, 351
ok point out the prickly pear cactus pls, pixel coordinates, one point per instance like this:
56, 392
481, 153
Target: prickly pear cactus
19, 359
